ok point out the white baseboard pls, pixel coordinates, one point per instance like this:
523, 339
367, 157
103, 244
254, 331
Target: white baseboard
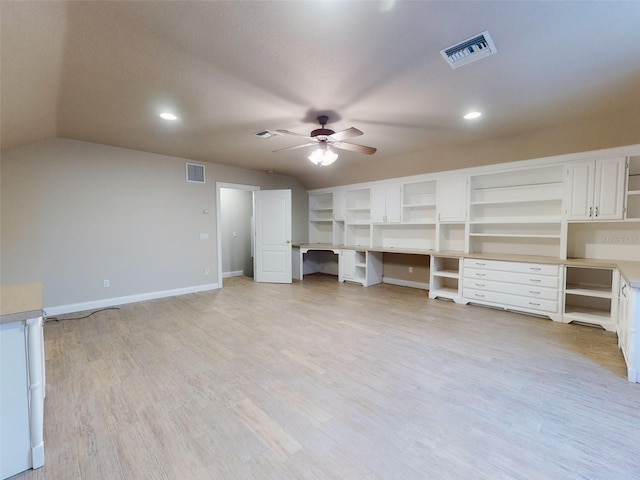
112, 302
235, 273
405, 283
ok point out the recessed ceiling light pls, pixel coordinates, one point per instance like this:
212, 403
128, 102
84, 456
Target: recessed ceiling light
472, 115
168, 116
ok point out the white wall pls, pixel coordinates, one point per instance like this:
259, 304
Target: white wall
75, 213
236, 210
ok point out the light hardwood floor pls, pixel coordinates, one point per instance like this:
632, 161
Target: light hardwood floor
323, 380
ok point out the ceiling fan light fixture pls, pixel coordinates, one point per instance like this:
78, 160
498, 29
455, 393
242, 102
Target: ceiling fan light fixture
323, 157
472, 115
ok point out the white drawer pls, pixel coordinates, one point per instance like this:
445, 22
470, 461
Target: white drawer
517, 267
511, 301
510, 277
512, 289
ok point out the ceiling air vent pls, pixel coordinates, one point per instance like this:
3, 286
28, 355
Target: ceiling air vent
469, 50
195, 173
267, 134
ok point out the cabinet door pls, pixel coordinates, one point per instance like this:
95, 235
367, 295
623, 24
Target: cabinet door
451, 198
385, 203
347, 264
339, 206
378, 203
609, 189
580, 179
392, 200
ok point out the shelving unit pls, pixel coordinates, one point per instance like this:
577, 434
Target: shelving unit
512, 210
321, 218
451, 237
358, 217
419, 202
633, 188
361, 267
589, 296
445, 278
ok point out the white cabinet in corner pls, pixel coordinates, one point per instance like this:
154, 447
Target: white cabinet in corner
594, 190
360, 266
628, 329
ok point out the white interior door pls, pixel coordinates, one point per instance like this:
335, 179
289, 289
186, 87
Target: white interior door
273, 236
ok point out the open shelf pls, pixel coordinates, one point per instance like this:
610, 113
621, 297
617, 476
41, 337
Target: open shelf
402, 235
588, 295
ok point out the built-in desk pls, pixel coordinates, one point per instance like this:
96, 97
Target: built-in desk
21, 379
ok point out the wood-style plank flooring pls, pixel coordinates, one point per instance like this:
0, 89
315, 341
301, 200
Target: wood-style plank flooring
323, 380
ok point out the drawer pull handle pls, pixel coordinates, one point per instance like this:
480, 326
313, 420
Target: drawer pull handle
480, 285
535, 269
480, 264
479, 295
481, 274
535, 280
534, 304
534, 292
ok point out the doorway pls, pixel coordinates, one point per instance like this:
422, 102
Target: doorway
235, 230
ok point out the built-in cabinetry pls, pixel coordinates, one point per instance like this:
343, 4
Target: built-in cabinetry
594, 189
385, 203
445, 280
527, 287
360, 266
590, 296
321, 218
517, 212
628, 328
22, 379
452, 199
358, 217
632, 209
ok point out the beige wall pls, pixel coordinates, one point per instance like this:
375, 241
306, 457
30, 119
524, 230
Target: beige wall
75, 213
397, 265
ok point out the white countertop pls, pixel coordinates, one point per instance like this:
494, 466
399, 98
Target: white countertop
630, 270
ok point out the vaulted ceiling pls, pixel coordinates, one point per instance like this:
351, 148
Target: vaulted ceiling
566, 78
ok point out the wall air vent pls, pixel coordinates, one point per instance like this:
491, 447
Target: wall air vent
195, 173
469, 50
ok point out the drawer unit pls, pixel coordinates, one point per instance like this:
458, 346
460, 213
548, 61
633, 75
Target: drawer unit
520, 278
514, 302
527, 287
517, 267
512, 289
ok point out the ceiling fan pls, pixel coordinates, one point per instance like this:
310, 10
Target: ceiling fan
326, 138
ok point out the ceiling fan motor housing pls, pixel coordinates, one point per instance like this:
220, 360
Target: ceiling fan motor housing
322, 132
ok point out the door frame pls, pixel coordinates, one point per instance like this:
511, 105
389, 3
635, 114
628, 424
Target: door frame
237, 186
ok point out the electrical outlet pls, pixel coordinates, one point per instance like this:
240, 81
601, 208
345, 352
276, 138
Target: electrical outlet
106, 283
206, 271
410, 269
204, 236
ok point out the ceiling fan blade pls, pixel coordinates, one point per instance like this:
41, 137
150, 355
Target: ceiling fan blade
295, 146
354, 147
287, 132
348, 133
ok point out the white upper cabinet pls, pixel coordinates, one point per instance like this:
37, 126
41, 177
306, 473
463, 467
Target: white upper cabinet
385, 203
339, 206
451, 199
594, 190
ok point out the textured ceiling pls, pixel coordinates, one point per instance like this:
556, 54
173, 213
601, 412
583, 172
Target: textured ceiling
102, 71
